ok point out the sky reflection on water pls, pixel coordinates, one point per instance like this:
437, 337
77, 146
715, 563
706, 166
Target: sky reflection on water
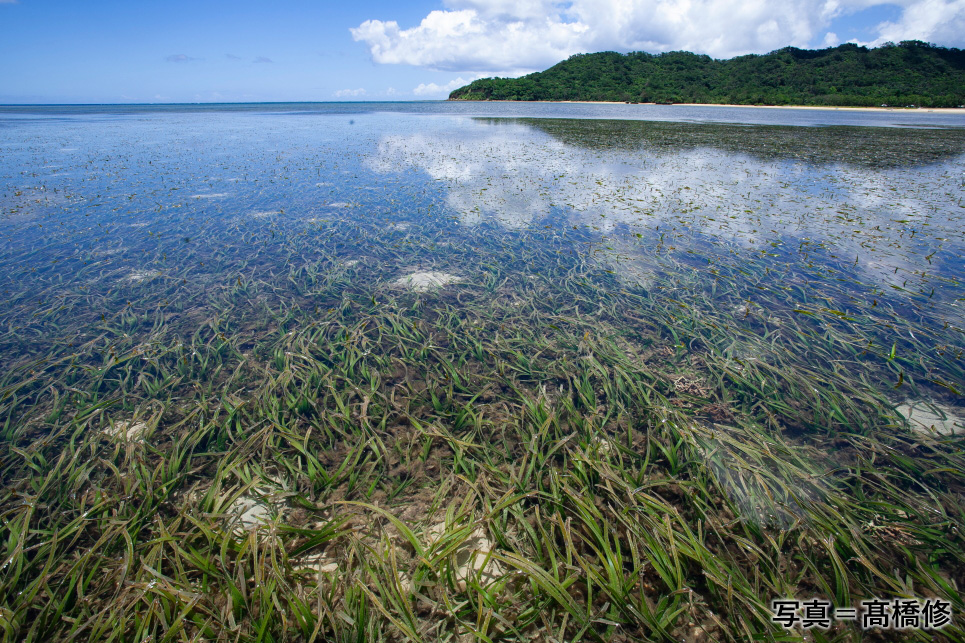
899, 225
860, 217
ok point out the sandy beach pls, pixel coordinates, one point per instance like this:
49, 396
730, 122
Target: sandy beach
937, 110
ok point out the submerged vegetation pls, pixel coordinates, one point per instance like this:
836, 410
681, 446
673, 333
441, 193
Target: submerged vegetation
909, 73
364, 391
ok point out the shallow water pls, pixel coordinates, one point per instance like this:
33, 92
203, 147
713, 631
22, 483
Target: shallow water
653, 113
255, 358
860, 228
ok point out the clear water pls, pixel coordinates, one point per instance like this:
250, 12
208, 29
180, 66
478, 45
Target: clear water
759, 218
669, 113
672, 351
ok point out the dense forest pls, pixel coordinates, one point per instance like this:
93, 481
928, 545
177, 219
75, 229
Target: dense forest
909, 73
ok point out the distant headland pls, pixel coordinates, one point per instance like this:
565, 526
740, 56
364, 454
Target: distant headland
908, 74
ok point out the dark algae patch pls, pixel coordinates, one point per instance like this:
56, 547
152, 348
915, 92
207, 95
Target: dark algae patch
859, 147
267, 377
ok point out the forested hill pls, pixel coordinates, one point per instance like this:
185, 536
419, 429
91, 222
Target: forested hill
909, 73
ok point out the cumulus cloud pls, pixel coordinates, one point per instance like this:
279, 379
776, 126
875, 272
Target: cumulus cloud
429, 89
941, 21
516, 36
470, 40
349, 93
180, 58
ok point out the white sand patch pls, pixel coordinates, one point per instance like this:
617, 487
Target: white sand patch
628, 263
248, 512
127, 431
259, 504
264, 214
928, 418
215, 195
634, 275
602, 445
340, 204
470, 557
401, 227
315, 562
348, 263
138, 276
137, 225
256, 506
251, 510
426, 281
746, 309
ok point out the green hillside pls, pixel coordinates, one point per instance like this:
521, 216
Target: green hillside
909, 73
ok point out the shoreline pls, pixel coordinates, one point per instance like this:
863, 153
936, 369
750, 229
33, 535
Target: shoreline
847, 108
936, 110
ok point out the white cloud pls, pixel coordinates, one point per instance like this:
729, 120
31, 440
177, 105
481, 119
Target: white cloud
941, 21
429, 89
831, 39
348, 93
470, 40
515, 36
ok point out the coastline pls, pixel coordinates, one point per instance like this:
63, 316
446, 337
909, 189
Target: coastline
936, 110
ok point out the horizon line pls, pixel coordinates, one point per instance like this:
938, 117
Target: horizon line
268, 102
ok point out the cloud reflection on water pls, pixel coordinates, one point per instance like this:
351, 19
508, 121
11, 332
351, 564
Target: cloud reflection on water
890, 202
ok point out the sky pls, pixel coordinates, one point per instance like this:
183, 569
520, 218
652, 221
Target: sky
149, 51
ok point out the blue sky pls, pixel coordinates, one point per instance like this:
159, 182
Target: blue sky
285, 50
